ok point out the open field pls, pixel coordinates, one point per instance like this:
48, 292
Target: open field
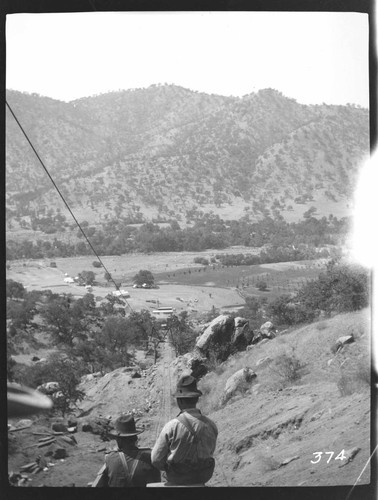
38, 275
283, 277
182, 284
124, 267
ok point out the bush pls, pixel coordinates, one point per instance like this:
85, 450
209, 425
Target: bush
201, 260
261, 285
96, 263
14, 289
57, 369
144, 277
342, 288
356, 379
288, 368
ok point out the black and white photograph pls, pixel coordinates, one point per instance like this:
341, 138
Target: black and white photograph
188, 249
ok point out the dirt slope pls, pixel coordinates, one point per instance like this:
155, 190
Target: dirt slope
268, 437
272, 423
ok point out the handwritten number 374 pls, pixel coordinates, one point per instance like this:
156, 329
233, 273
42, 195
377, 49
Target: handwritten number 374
318, 456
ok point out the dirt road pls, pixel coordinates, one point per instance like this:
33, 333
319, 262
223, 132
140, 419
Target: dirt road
164, 379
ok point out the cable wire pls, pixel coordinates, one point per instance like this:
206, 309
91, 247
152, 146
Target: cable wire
61, 195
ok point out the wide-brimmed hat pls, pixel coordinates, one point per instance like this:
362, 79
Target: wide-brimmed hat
187, 388
125, 427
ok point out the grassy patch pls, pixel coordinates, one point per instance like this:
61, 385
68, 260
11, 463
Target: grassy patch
287, 369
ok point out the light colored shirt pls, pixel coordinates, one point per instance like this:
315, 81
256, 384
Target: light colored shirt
175, 443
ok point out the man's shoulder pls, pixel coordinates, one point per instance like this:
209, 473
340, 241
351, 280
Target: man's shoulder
144, 452
208, 421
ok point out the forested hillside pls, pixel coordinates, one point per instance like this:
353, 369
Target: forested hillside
166, 153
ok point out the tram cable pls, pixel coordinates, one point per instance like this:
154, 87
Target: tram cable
65, 202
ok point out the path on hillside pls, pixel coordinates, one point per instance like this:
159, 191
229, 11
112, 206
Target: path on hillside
165, 407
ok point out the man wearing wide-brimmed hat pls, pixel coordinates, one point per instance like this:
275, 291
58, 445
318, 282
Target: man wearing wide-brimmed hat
185, 447
129, 465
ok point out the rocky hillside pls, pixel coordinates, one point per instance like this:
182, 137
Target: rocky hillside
269, 432
158, 153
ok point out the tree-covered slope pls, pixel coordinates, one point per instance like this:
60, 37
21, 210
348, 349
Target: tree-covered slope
161, 151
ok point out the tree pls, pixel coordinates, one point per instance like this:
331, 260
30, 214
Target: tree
309, 213
88, 277
146, 330
114, 340
144, 277
109, 308
261, 285
58, 368
14, 289
343, 287
93, 355
181, 335
286, 310
67, 374
67, 318
21, 313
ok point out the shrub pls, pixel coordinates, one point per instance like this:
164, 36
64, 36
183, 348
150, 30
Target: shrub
288, 367
356, 379
144, 276
14, 289
96, 263
57, 369
261, 285
201, 260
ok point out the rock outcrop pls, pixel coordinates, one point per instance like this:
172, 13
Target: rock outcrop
219, 332
243, 335
238, 382
218, 339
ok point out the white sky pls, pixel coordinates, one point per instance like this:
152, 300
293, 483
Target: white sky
312, 57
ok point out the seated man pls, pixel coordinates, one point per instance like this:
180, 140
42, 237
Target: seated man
185, 447
129, 465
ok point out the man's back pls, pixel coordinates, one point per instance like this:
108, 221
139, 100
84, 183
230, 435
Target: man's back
138, 471
186, 446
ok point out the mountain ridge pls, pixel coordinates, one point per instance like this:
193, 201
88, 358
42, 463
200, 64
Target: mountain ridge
162, 151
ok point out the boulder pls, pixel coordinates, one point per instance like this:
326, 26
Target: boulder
268, 330
219, 331
40, 361
346, 339
264, 341
59, 427
196, 364
48, 387
35, 358
86, 427
263, 361
242, 335
56, 451
238, 382
59, 452
71, 422
25, 422
98, 426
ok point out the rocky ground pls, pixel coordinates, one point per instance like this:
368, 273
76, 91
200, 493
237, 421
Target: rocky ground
302, 434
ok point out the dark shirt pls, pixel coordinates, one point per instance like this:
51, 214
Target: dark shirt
115, 475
